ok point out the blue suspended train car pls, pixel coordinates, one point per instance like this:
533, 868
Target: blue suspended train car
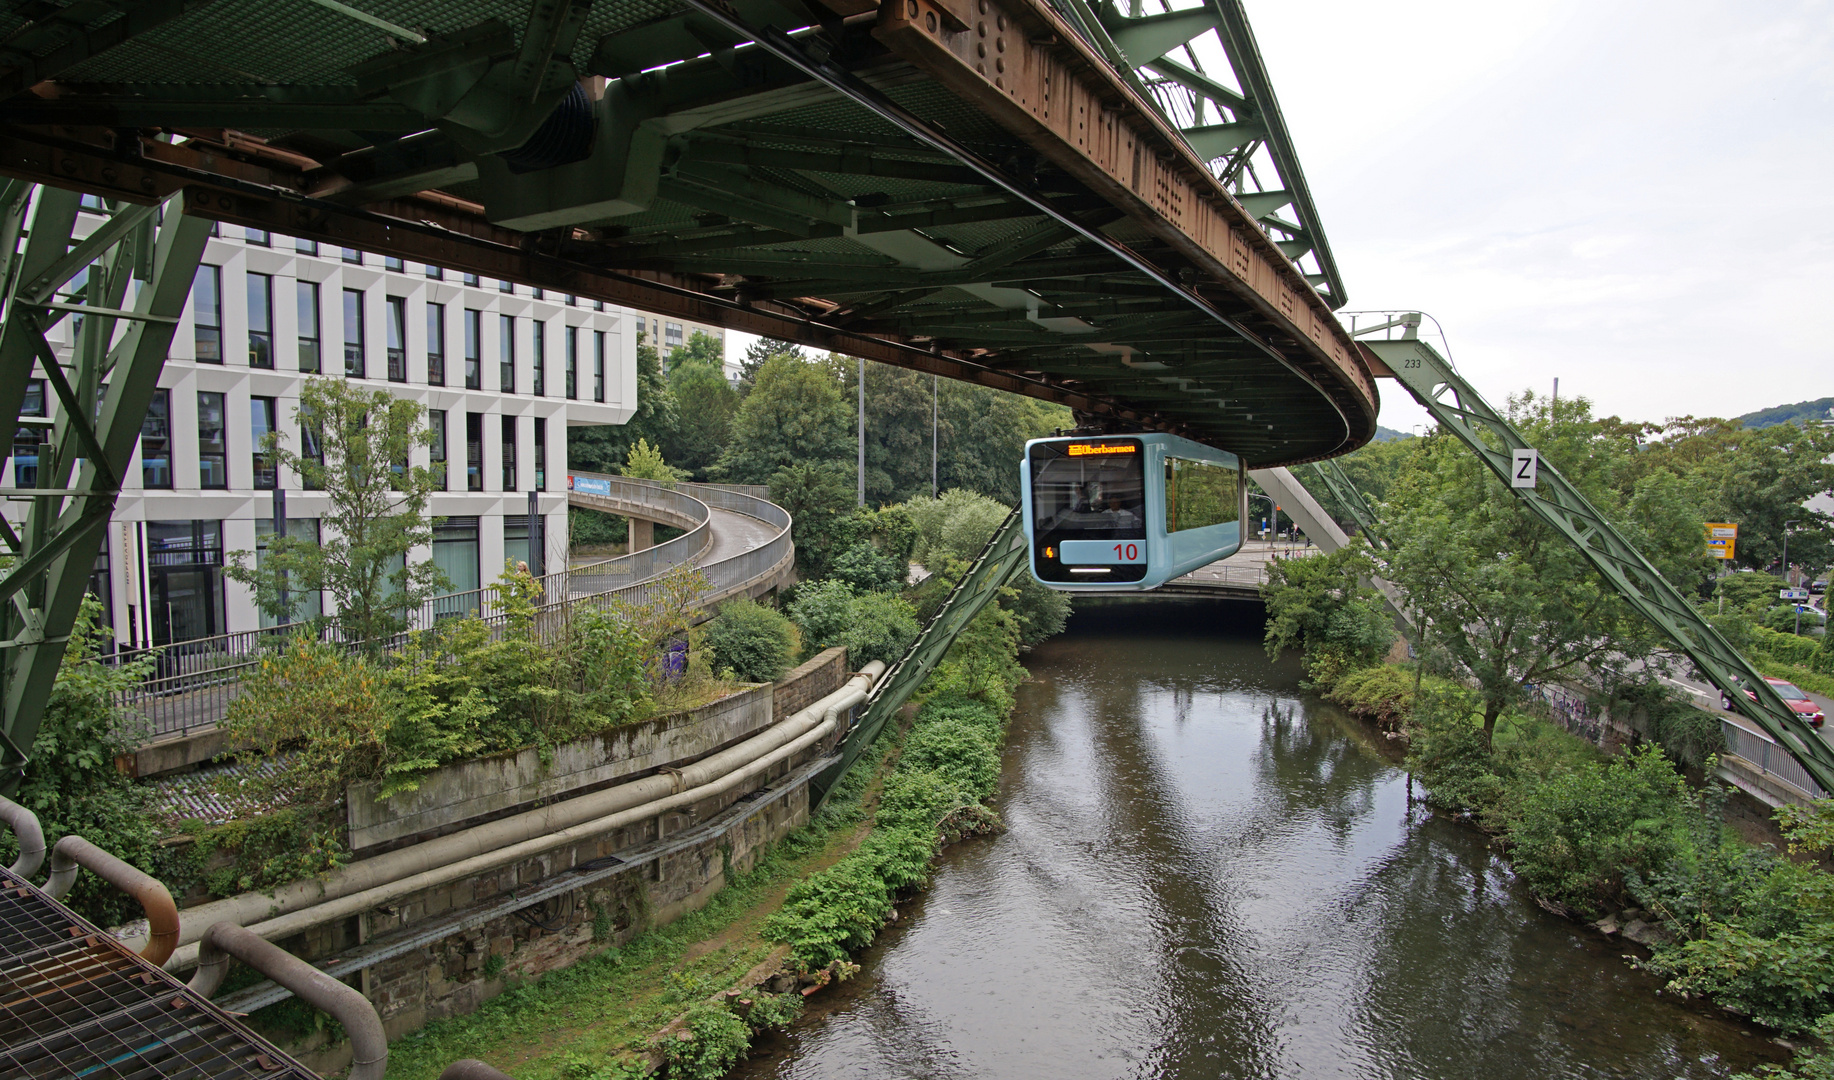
1129, 512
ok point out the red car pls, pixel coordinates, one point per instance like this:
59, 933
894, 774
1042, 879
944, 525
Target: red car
1797, 700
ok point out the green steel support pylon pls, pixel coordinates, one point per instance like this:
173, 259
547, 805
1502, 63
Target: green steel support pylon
1001, 557
1459, 410
103, 388
1336, 481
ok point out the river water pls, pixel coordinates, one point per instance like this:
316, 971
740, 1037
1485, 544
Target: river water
1209, 873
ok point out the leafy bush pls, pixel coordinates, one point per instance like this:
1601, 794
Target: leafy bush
864, 568
774, 1011
1382, 694
873, 626
1042, 613
752, 641
1577, 834
71, 782
716, 1040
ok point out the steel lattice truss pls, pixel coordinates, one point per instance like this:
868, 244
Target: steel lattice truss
1460, 410
1003, 556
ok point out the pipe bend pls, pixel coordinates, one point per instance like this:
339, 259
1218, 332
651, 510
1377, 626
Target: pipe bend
74, 852
368, 1043
28, 833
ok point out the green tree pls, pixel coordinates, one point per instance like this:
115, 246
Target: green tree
1326, 606
819, 499
378, 513
1504, 596
794, 415
701, 348
646, 463
897, 431
757, 353
705, 404
984, 432
603, 447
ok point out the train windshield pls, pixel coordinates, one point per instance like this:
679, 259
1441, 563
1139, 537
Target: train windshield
1094, 490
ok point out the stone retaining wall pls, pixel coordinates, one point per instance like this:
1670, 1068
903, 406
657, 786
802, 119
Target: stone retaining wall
819, 676
496, 786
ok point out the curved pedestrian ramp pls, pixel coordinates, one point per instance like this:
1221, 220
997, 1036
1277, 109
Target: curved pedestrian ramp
737, 539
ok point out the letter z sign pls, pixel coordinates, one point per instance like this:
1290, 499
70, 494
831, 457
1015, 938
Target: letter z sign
1522, 466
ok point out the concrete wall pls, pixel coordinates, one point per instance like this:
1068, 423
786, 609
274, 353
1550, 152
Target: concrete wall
471, 791
451, 974
819, 676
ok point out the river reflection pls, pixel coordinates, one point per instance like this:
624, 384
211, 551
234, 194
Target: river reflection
1208, 874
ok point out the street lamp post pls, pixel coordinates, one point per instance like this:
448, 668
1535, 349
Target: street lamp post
1786, 581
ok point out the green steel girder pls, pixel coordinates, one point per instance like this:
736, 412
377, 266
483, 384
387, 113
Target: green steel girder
1461, 411
1000, 558
1336, 481
1227, 126
110, 375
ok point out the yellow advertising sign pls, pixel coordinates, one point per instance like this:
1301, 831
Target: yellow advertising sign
1722, 539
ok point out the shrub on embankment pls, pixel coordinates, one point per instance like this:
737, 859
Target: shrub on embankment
950, 764
1593, 835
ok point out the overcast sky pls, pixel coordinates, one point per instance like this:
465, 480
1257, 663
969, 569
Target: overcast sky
1636, 198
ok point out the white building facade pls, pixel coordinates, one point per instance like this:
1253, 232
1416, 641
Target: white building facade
502, 371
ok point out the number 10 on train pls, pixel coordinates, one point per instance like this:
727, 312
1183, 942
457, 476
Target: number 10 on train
1129, 512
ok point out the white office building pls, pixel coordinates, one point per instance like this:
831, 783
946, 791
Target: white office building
502, 370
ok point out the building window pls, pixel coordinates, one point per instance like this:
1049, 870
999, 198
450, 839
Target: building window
257, 236
307, 293
304, 246
470, 279
260, 321
212, 442
539, 378
351, 256
506, 353
541, 453
436, 344
29, 440
474, 349
390, 262
436, 453
262, 425
207, 313
671, 335
598, 365
156, 442
353, 333
307, 605
455, 551
572, 300
397, 331
474, 452
92, 202
598, 305
184, 580
572, 362
509, 453
505, 285
516, 541
435, 273
311, 447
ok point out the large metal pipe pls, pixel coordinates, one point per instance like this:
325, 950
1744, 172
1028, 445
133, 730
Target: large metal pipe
485, 847
368, 1043
26, 831
74, 852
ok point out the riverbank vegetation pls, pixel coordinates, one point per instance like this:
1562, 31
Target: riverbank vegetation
1503, 609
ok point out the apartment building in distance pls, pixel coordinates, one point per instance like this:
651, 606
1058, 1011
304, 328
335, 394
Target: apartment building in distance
502, 370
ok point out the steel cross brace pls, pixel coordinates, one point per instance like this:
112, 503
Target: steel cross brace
110, 376
1460, 410
1002, 557
1338, 483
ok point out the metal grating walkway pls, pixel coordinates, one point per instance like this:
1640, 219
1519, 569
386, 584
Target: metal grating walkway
74, 1002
